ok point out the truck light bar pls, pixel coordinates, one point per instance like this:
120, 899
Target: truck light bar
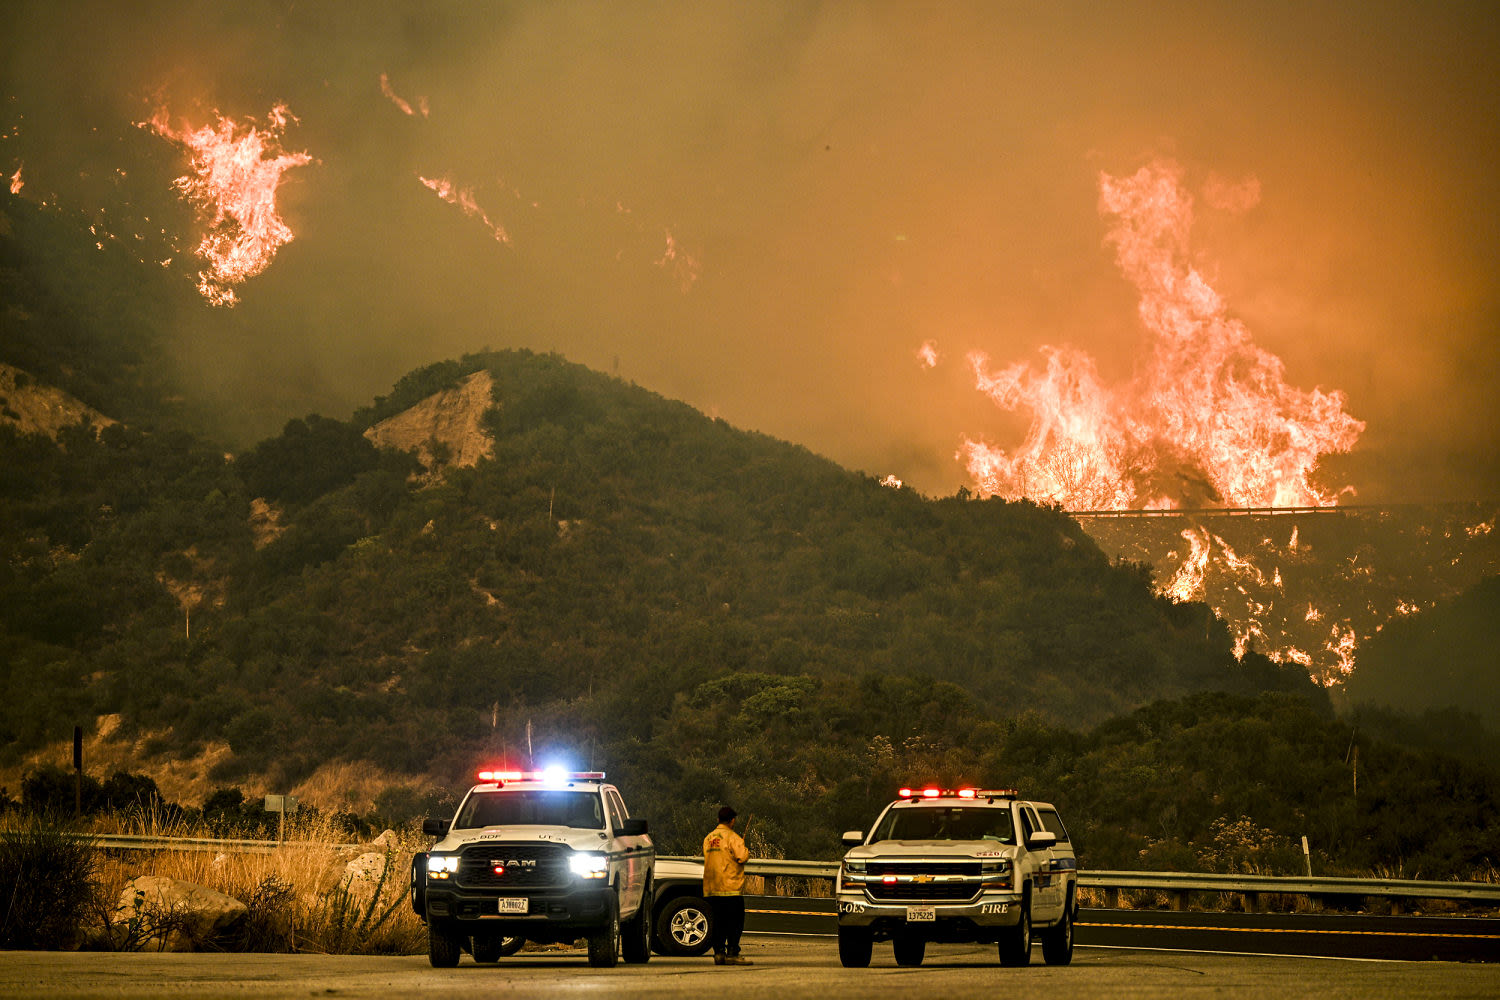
552, 776
933, 792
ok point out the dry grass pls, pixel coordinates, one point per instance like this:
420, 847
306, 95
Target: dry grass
302, 896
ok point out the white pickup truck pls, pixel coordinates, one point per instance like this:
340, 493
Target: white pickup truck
960, 865
541, 856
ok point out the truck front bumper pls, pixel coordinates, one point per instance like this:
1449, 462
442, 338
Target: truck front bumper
981, 919
580, 906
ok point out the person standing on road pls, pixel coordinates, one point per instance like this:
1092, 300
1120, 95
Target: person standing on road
724, 857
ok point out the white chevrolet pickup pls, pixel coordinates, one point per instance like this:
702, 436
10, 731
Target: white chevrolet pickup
539, 856
960, 865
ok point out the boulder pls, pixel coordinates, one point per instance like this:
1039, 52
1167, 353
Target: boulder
167, 914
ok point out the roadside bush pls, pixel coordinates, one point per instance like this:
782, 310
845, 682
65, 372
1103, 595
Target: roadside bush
46, 887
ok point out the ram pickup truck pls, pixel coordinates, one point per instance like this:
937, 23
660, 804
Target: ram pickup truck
959, 865
541, 856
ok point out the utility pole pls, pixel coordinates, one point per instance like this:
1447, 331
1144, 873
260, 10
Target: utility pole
77, 770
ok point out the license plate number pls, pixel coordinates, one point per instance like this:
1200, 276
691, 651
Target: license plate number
513, 904
920, 914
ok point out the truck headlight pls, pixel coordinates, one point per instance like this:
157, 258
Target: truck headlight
995, 871
441, 865
854, 867
586, 865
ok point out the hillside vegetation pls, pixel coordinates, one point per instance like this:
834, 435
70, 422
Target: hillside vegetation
624, 583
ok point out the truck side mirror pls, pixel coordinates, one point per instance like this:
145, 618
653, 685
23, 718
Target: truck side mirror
1041, 838
853, 838
435, 826
632, 828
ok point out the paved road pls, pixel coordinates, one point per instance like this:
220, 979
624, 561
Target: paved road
1452, 939
785, 967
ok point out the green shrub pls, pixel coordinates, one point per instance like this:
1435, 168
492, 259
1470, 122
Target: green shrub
46, 887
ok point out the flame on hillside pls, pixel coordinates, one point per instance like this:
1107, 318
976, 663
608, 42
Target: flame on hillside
1208, 419
463, 199
16, 184
235, 173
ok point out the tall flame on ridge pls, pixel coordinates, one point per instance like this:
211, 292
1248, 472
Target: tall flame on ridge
235, 173
1209, 415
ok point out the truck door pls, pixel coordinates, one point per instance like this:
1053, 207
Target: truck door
1047, 884
636, 855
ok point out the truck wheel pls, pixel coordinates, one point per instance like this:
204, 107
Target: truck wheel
1015, 946
442, 949
604, 943
855, 946
683, 927
510, 945
909, 949
635, 934
1057, 941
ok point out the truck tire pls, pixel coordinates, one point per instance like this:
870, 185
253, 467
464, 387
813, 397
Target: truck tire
1057, 940
604, 943
684, 927
909, 949
635, 933
510, 945
1015, 946
855, 946
442, 949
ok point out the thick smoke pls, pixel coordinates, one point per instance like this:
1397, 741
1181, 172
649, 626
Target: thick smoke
767, 210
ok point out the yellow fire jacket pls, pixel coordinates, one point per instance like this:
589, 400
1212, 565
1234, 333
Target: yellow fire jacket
724, 857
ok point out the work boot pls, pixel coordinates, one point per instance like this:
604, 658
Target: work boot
737, 960
719, 958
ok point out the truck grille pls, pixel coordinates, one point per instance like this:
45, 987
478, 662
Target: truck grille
928, 892
525, 866
925, 867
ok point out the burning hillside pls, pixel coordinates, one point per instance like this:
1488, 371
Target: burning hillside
1310, 586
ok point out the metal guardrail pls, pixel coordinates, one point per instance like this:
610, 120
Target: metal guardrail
1181, 883
1110, 882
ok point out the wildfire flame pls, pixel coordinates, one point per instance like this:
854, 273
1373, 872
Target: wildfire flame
235, 173
464, 199
1209, 415
680, 263
16, 184
400, 102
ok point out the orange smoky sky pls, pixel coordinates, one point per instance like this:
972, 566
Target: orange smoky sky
802, 217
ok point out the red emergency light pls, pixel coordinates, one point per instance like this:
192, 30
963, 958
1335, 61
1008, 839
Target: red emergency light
495, 775
962, 793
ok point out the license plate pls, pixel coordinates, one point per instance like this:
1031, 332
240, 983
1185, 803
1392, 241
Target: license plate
513, 904
918, 914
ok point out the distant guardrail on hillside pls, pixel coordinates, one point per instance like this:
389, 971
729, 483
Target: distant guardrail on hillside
136, 842
1179, 884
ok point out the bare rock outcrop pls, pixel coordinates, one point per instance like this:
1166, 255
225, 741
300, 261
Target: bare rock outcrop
452, 418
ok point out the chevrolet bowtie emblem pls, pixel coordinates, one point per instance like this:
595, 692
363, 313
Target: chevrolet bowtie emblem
921, 878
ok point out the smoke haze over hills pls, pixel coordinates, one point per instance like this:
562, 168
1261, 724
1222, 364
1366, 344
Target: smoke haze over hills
766, 210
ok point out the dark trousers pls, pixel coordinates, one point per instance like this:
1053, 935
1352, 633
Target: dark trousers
728, 914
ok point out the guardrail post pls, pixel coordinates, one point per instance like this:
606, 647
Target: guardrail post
1252, 902
1112, 898
1179, 899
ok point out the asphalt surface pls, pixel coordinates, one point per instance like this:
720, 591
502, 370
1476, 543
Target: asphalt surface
785, 966
1412, 938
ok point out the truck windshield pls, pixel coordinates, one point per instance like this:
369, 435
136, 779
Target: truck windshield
583, 810
946, 823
